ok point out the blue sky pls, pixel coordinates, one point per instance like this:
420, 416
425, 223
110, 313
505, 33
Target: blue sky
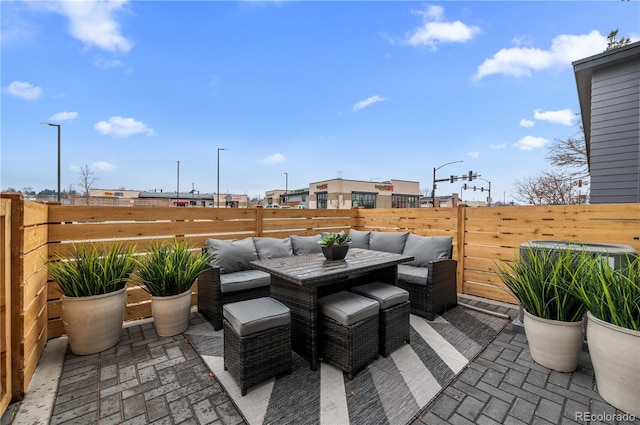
366, 90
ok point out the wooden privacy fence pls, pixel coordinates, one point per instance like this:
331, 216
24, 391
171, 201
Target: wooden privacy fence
481, 236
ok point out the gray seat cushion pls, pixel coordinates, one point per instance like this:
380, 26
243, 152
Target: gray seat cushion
388, 241
413, 274
305, 244
424, 249
244, 279
251, 316
386, 295
272, 247
347, 308
232, 255
359, 238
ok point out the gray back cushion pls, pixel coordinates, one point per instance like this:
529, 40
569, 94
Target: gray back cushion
359, 238
427, 248
388, 241
232, 255
273, 247
305, 244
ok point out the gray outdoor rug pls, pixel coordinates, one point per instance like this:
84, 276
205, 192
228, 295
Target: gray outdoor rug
392, 390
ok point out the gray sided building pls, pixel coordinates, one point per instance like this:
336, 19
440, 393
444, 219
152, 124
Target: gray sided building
609, 93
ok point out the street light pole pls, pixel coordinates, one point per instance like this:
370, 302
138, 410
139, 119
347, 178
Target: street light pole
433, 190
286, 183
489, 202
218, 188
56, 125
178, 187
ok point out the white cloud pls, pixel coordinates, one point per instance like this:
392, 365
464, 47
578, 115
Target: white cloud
123, 127
367, 102
527, 123
64, 116
435, 30
23, 90
276, 158
563, 116
528, 143
74, 168
500, 146
473, 154
522, 61
103, 166
94, 23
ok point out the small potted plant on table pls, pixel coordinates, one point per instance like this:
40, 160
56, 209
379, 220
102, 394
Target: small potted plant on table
167, 272
335, 245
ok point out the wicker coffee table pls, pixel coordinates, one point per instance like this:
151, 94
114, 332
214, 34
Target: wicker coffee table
298, 281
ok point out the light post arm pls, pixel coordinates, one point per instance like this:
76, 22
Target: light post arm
433, 190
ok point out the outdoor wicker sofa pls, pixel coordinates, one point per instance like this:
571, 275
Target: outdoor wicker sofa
430, 278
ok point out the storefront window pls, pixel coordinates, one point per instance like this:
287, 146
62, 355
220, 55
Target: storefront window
405, 201
363, 200
322, 200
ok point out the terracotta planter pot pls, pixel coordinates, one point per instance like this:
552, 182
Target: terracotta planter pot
93, 323
171, 314
554, 344
615, 356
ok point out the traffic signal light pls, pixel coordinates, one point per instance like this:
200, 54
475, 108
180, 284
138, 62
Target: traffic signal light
464, 186
470, 175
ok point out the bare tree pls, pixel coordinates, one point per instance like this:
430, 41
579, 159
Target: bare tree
87, 180
546, 188
570, 155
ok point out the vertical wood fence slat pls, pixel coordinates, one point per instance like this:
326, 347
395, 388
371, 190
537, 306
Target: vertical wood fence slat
6, 384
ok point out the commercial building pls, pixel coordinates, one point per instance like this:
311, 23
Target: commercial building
346, 194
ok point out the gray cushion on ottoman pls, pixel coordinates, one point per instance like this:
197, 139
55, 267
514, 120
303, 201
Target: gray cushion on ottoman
388, 241
424, 249
347, 308
387, 295
273, 247
251, 316
305, 244
232, 255
359, 238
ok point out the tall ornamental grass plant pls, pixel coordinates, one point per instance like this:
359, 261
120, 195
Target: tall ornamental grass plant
540, 279
611, 295
170, 268
93, 268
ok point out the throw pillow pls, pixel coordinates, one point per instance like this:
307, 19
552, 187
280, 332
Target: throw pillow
359, 238
273, 247
388, 241
232, 255
427, 248
305, 244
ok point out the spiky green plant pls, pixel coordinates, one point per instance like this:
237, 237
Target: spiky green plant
612, 295
334, 239
540, 280
92, 268
170, 268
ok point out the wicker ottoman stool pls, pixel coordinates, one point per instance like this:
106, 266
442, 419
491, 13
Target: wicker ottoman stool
394, 313
257, 340
348, 331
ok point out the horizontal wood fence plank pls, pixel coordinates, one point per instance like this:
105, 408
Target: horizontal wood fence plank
35, 213
68, 214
